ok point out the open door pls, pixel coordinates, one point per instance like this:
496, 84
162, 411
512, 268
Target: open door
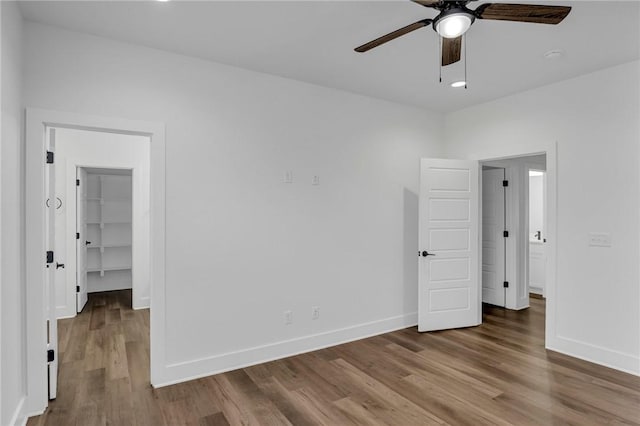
494, 273
448, 240
52, 265
81, 238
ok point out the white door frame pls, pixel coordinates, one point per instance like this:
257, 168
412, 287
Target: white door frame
36, 122
496, 153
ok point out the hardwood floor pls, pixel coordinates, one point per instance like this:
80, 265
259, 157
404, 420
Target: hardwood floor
498, 373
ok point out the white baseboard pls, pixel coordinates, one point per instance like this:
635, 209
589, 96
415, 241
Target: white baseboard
189, 370
63, 312
141, 303
18, 418
617, 360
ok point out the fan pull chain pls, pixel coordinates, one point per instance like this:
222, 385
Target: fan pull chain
464, 40
440, 57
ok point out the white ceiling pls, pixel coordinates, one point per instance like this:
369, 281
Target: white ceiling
313, 41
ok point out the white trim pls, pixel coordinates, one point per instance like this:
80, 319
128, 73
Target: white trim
208, 366
36, 121
597, 354
18, 418
143, 303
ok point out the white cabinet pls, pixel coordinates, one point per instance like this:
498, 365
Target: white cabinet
537, 267
108, 235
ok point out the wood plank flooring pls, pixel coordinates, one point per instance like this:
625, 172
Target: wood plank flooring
497, 374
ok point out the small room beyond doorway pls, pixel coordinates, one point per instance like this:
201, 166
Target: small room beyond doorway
101, 225
513, 231
104, 223
537, 232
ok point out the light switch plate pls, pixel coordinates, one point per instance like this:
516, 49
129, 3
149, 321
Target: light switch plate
288, 176
599, 239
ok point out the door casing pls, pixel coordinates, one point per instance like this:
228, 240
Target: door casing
37, 120
548, 148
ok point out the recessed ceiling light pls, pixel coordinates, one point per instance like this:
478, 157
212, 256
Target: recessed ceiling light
163, 1
460, 83
554, 54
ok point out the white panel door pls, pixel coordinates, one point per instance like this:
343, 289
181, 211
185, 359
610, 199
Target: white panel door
50, 279
81, 242
449, 281
493, 241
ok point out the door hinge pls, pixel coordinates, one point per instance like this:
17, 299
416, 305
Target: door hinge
49, 157
77, 182
505, 183
49, 256
77, 289
51, 355
77, 235
505, 284
505, 234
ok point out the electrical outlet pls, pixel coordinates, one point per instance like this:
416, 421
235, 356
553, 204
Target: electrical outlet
288, 317
599, 239
288, 176
315, 180
315, 312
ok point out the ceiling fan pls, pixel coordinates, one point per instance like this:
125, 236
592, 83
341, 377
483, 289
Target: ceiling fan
455, 19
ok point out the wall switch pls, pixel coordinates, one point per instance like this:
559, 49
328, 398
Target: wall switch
288, 317
288, 176
315, 180
315, 312
599, 239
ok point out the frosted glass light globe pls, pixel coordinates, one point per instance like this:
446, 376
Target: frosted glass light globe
453, 26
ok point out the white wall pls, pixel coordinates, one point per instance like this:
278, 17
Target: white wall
82, 148
242, 246
594, 119
12, 368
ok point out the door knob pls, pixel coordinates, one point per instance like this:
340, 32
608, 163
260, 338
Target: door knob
59, 265
426, 253
87, 242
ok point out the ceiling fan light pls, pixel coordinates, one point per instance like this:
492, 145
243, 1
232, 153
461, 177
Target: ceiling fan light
453, 25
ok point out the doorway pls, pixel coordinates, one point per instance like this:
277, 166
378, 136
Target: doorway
450, 237
147, 210
537, 233
508, 234
103, 232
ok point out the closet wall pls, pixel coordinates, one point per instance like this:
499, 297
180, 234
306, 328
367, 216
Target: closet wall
108, 231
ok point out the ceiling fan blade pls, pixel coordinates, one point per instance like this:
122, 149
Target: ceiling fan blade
397, 33
451, 49
427, 3
538, 14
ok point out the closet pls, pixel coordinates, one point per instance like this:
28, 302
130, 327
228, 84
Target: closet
107, 201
